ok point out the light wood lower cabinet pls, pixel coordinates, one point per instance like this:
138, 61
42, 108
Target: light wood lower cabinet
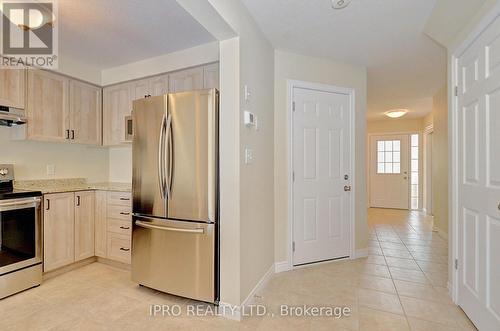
119, 247
68, 228
58, 230
100, 227
84, 224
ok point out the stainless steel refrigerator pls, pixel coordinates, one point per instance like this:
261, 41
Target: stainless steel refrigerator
175, 194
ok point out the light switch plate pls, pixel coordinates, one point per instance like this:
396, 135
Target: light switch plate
51, 170
248, 156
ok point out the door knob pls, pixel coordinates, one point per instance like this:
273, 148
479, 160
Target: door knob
347, 188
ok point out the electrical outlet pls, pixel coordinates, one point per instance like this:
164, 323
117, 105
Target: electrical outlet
51, 170
248, 156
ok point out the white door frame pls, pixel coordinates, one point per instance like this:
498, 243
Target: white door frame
292, 84
420, 163
489, 18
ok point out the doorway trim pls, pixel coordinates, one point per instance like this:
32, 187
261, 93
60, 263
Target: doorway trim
291, 85
453, 204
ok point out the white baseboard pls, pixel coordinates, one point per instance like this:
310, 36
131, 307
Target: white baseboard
229, 311
236, 312
262, 282
442, 234
281, 267
360, 253
451, 290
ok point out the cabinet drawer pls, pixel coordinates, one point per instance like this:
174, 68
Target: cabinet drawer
119, 247
120, 212
120, 199
120, 227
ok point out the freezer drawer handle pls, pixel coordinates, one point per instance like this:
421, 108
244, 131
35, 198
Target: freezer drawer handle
164, 228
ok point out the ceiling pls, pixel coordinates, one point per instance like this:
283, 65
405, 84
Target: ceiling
107, 33
405, 67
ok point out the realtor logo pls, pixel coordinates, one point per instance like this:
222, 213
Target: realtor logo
29, 33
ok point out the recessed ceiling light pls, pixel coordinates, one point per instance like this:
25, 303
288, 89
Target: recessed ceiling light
396, 113
340, 4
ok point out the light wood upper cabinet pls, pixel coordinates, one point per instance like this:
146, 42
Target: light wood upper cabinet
211, 76
100, 224
158, 85
140, 89
186, 80
84, 224
13, 88
85, 113
58, 230
47, 106
117, 103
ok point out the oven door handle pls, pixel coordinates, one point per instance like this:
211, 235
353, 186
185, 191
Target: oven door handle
20, 204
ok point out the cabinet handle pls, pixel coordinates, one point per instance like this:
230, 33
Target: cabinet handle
78, 201
48, 204
124, 227
124, 249
67, 134
73, 134
126, 214
125, 199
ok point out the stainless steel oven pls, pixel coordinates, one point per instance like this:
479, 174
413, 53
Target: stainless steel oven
20, 241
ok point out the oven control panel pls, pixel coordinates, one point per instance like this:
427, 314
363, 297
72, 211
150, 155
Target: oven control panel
6, 172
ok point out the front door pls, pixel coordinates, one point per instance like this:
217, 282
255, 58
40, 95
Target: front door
321, 164
478, 213
389, 179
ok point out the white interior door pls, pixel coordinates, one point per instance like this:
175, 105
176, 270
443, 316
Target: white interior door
321, 163
478, 169
389, 179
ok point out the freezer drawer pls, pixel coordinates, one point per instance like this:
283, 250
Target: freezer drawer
174, 257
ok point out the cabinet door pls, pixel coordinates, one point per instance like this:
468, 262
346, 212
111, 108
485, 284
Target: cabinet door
186, 80
58, 230
158, 85
100, 224
48, 106
211, 76
140, 89
13, 87
84, 224
86, 113
117, 105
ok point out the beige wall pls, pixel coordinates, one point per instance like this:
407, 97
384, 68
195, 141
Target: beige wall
440, 165
256, 64
395, 125
316, 70
70, 160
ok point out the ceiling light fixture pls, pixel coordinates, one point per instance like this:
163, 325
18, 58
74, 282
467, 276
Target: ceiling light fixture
396, 113
340, 4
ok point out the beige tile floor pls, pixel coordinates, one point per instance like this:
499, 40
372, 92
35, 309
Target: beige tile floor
400, 286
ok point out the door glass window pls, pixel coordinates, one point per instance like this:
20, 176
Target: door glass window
414, 171
389, 156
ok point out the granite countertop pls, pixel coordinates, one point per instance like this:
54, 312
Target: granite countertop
69, 185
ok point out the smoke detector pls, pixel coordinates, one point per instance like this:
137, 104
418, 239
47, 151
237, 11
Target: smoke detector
340, 4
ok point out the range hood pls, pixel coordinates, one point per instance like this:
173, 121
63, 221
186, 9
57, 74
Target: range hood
11, 116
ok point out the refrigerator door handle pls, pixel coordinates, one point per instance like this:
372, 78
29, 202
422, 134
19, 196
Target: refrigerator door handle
168, 145
165, 228
161, 168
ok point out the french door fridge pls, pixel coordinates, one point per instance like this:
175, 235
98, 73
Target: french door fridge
175, 194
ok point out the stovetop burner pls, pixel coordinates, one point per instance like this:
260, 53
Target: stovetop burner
7, 190
17, 194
